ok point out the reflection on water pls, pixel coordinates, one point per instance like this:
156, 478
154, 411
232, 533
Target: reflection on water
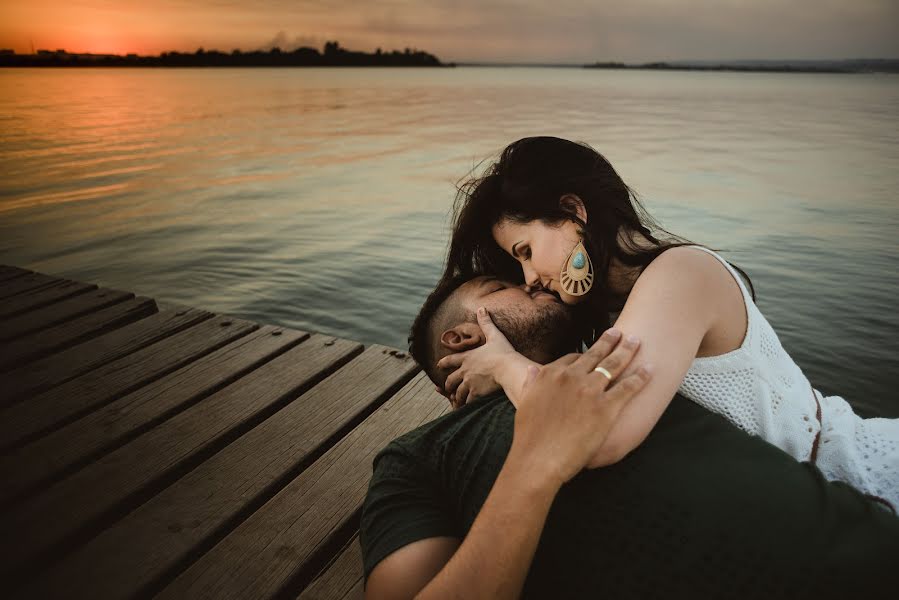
318, 198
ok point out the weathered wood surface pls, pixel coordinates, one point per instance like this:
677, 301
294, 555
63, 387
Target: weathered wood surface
161, 536
77, 360
64, 403
103, 430
58, 516
69, 333
279, 547
8, 272
16, 305
26, 283
163, 453
59, 312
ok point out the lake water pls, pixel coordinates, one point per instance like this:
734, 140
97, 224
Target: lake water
318, 198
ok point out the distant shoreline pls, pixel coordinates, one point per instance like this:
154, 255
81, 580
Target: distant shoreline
335, 56
836, 66
786, 68
332, 56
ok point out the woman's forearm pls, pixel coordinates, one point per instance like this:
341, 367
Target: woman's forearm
511, 374
494, 559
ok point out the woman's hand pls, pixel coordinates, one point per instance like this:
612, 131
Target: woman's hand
477, 371
567, 409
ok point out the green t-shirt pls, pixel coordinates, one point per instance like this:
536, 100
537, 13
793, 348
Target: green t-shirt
700, 509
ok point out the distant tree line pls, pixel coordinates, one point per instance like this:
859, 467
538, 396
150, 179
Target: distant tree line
663, 66
844, 66
332, 56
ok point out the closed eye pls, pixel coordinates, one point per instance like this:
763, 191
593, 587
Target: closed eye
523, 253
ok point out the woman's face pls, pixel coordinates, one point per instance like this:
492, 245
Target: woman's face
541, 250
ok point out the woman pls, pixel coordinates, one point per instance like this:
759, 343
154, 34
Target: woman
556, 214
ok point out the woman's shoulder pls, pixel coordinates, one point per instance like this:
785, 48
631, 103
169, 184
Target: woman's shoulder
679, 279
691, 264
696, 283
690, 278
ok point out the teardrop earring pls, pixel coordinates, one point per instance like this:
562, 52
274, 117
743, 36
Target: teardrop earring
577, 276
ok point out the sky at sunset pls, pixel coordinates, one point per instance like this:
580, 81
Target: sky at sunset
468, 30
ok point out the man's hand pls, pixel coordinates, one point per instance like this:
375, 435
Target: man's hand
567, 408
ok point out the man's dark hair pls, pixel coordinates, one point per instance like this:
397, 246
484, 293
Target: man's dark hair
435, 311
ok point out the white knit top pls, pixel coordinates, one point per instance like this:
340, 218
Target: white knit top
761, 390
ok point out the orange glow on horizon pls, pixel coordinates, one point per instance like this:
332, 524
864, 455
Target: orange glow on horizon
96, 28
94, 39
92, 43
618, 30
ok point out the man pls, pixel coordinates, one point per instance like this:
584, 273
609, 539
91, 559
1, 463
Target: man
700, 509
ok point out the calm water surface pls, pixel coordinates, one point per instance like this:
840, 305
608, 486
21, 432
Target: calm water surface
318, 199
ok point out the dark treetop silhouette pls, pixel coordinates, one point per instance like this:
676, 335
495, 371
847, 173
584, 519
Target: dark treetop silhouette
332, 56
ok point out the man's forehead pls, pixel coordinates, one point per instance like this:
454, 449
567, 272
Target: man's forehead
478, 286
474, 292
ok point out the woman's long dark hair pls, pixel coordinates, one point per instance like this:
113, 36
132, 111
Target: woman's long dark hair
526, 184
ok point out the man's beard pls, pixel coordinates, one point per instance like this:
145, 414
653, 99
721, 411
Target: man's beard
543, 334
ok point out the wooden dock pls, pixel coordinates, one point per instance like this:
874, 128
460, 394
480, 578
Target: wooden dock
171, 452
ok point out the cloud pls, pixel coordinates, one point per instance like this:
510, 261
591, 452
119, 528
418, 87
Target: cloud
286, 43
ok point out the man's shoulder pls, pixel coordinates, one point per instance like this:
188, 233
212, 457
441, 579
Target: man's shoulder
458, 426
413, 492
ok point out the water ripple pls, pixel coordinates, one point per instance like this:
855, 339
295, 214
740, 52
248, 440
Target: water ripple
320, 199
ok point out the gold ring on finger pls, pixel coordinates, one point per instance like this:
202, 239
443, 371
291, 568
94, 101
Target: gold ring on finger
604, 372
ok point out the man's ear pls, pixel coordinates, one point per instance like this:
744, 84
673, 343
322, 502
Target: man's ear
462, 337
573, 204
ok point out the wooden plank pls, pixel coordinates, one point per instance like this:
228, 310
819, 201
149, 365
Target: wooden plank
77, 508
343, 579
60, 312
46, 459
26, 283
10, 272
281, 547
166, 532
40, 344
16, 305
26, 421
57, 369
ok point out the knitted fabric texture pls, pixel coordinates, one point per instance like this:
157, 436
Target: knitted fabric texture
762, 391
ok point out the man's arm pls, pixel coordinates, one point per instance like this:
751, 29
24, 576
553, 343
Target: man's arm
404, 573
492, 561
563, 418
